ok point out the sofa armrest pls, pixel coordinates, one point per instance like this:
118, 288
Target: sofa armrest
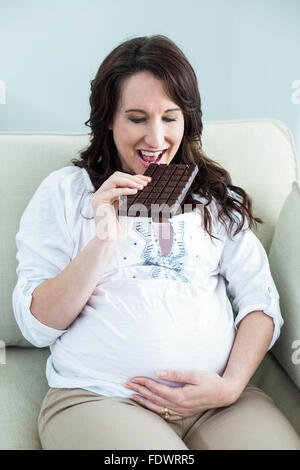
284, 258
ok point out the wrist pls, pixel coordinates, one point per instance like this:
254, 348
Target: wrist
102, 244
233, 388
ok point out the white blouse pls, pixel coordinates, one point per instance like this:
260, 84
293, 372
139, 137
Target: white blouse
150, 310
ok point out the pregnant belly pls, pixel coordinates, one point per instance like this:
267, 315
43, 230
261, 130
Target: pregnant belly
118, 339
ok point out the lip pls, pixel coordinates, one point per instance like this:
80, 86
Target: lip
146, 150
146, 164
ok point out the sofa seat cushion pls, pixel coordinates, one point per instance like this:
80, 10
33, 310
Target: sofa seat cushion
276, 383
23, 387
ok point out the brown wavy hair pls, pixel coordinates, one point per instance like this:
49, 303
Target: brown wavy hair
160, 56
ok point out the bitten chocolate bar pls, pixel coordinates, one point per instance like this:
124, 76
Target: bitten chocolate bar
162, 197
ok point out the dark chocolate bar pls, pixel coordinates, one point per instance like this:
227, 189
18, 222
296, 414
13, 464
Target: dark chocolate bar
162, 197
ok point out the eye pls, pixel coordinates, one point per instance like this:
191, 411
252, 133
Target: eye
137, 121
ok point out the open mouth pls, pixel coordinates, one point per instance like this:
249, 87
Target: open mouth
146, 160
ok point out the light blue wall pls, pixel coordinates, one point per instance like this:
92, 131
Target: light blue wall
245, 54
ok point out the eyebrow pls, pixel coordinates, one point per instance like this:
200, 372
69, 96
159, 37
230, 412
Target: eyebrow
144, 112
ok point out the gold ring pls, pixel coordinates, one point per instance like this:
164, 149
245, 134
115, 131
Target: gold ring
166, 413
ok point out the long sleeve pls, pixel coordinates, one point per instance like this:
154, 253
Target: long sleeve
44, 249
245, 267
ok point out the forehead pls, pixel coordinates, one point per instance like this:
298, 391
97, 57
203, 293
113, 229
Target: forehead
144, 91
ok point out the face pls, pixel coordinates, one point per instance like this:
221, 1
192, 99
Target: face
158, 126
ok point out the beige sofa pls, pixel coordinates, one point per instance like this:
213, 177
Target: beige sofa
260, 156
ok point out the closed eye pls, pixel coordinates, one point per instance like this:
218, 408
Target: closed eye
137, 121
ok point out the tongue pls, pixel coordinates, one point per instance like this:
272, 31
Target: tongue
150, 159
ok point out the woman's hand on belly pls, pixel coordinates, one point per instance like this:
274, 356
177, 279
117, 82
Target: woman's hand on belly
201, 391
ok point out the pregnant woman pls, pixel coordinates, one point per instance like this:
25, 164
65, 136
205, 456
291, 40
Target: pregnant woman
146, 352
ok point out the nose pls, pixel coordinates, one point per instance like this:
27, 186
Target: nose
154, 137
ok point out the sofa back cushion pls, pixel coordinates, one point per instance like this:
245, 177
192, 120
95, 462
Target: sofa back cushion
258, 153
25, 160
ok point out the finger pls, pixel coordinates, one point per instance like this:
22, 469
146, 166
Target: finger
160, 410
139, 175
144, 177
171, 394
147, 394
174, 418
112, 195
133, 183
123, 180
123, 177
185, 377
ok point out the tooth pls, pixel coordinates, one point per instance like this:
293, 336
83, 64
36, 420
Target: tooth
151, 154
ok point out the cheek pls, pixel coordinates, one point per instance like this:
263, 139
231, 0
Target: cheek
177, 136
124, 135
131, 136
